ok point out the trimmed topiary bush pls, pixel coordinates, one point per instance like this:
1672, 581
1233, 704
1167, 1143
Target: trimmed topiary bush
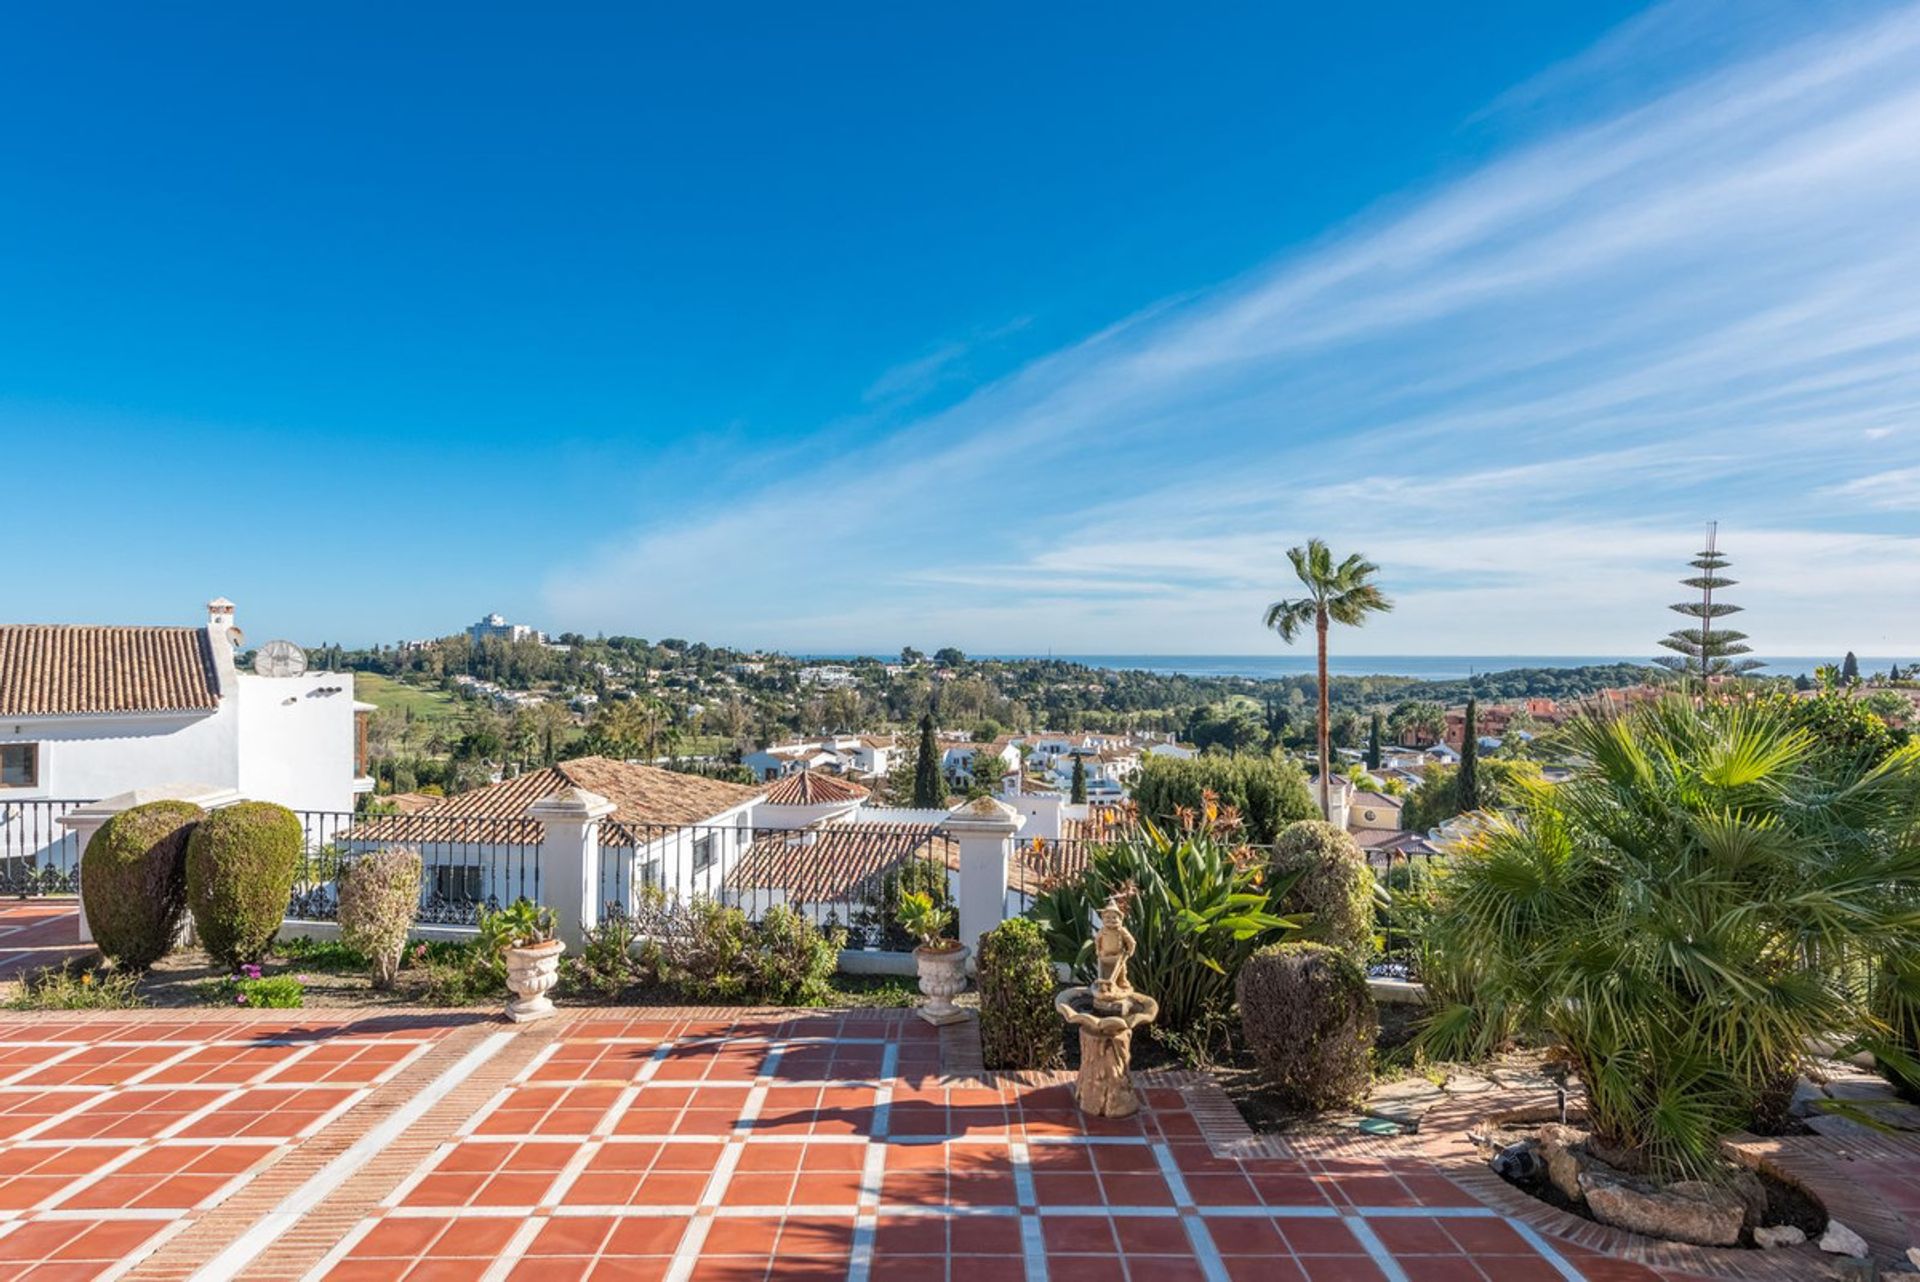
241, 862
1309, 1020
1018, 1025
379, 896
1331, 881
133, 880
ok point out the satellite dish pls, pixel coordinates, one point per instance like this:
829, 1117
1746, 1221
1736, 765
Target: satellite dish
280, 659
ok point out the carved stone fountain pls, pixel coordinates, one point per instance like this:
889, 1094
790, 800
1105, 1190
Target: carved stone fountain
1106, 1013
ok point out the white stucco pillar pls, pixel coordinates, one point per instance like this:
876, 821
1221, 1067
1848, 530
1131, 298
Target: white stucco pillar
84, 821
984, 829
570, 859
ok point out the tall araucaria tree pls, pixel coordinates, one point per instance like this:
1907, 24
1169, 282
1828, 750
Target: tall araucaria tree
929, 789
1342, 593
1704, 651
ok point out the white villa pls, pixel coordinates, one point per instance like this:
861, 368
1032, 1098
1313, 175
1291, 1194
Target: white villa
89, 712
861, 755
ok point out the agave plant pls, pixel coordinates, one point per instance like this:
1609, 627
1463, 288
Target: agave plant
1684, 918
1198, 903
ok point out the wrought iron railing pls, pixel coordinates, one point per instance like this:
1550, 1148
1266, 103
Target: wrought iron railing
467, 862
847, 877
38, 856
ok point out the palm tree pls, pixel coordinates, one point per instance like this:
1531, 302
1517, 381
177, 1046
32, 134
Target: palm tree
1339, 593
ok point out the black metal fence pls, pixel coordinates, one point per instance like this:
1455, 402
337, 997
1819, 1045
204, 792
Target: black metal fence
850, 877
38, 856
467, 863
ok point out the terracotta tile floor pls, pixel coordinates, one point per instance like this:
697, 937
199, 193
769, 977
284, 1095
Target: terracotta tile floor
661, 1149
668, 1148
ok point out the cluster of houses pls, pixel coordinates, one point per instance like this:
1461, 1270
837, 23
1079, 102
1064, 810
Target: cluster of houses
1041, 760
93, 712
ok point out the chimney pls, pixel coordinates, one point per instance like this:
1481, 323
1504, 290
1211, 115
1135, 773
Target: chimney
220, 614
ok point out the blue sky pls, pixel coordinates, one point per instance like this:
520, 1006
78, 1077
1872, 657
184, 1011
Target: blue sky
1011, 327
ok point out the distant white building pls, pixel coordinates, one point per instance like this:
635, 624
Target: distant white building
496, 628
870, 756
831, 676
90, 712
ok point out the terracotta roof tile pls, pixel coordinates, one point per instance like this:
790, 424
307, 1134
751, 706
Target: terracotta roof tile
835, 863
62, 670
498, 812
812, 788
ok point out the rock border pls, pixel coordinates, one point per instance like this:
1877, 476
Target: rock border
1804, 1161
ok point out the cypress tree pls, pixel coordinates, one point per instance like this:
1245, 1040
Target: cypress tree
1373, 743
1850, 669
929, 790
1079, 793
1701, 651
1470, 759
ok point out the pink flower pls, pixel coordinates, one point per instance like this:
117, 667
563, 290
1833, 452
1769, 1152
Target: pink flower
240, 999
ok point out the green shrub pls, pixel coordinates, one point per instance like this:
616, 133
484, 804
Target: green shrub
241, 862
255, 991
1684, 917
704, 954
1019, 1027
379, 896
1198, 903
1309, 1021
605, 965
330, 955
790, 960
133, 880
1329, 879
88, 988
459, 974
1267, 791
713, 953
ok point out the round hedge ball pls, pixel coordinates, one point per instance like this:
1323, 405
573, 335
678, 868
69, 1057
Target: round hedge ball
1309, 1020
241, 862
133, 880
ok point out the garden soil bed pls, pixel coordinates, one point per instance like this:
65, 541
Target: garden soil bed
188, 977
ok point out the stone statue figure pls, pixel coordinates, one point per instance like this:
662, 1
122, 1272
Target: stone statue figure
1113, 943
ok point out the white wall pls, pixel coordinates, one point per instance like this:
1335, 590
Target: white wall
297, 740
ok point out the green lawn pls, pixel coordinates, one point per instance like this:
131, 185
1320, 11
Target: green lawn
384, 692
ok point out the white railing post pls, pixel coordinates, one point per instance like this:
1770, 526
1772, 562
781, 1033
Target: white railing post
984, 829
570, 859
84, 821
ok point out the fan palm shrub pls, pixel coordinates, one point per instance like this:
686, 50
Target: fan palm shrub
1198, 902
1683, 918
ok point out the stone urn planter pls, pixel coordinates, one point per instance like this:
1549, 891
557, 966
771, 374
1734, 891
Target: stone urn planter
943, 976
531, 974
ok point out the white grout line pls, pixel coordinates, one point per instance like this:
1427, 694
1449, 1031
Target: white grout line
37, 1065
1033, 1246
1376, 1248
510, 1254
1561, 1264
263, 1232
338, 1251
687, 1254
120, 1267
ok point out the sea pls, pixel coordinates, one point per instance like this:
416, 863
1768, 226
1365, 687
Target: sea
1423, 667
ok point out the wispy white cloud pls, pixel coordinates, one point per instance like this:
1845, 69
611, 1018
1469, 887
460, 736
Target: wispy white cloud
1521, 393
1896, 490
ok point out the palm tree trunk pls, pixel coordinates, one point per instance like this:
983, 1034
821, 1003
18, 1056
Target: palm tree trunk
1320, 629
